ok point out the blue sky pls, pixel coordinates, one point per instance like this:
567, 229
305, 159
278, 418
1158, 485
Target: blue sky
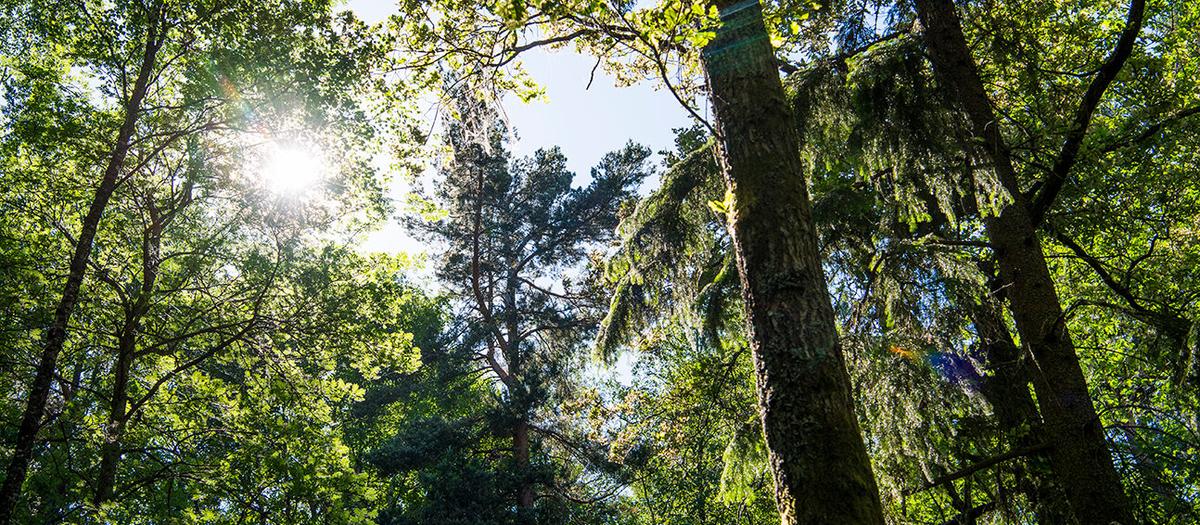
585, 122
589, 122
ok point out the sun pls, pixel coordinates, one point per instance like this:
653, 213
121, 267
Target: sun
292, 170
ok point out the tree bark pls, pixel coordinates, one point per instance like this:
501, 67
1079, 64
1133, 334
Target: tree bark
110, 452
525, 493
1006, 388
820, 466
56, 335
1007, 385
517, 397
1079, 452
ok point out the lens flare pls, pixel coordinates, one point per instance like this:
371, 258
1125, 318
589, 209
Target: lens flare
950, 366
292, 170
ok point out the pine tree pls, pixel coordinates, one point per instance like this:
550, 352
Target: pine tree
514, 236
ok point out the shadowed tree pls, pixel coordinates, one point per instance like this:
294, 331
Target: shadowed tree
1078, 450
513, 233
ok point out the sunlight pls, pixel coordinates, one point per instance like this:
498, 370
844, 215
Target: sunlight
291, 170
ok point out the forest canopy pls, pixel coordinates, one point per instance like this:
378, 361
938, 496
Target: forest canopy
915, 262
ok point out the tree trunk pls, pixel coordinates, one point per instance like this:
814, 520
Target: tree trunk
56, 335
518, 397
817, 457
1006, 388
110, 453
525, 494
1078, 449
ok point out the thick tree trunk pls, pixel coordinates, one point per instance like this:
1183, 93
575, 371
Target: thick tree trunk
1078, 449
817, 457
56, 335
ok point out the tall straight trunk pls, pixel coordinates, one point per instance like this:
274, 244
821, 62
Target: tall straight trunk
525, 493
1078, 450
518, 398
56, 335
819, 463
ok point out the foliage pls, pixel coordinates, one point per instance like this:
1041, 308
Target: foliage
578, 340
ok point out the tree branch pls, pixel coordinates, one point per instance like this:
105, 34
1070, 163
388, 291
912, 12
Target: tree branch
1101, 272
1151, 131
1069, 153
982, 465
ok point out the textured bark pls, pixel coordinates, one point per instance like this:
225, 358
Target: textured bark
1006, 388
56, 335
1078, 449
819, 463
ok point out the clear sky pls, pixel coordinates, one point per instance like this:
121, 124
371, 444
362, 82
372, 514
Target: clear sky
585, 122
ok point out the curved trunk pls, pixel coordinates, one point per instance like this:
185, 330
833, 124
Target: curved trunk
819, 463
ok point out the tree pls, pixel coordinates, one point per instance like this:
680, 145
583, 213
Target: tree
979, 220
1078, 446
821, 469
174, 72
510, 229
151, 33
746, 90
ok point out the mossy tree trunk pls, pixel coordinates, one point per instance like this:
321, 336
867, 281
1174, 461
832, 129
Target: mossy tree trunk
820, 466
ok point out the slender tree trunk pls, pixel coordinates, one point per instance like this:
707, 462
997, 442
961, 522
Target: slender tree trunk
525, 493
519, 398
521, 448
817, 457
56, 335
1006, 388
1007, 385
110, 454
1078, 449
